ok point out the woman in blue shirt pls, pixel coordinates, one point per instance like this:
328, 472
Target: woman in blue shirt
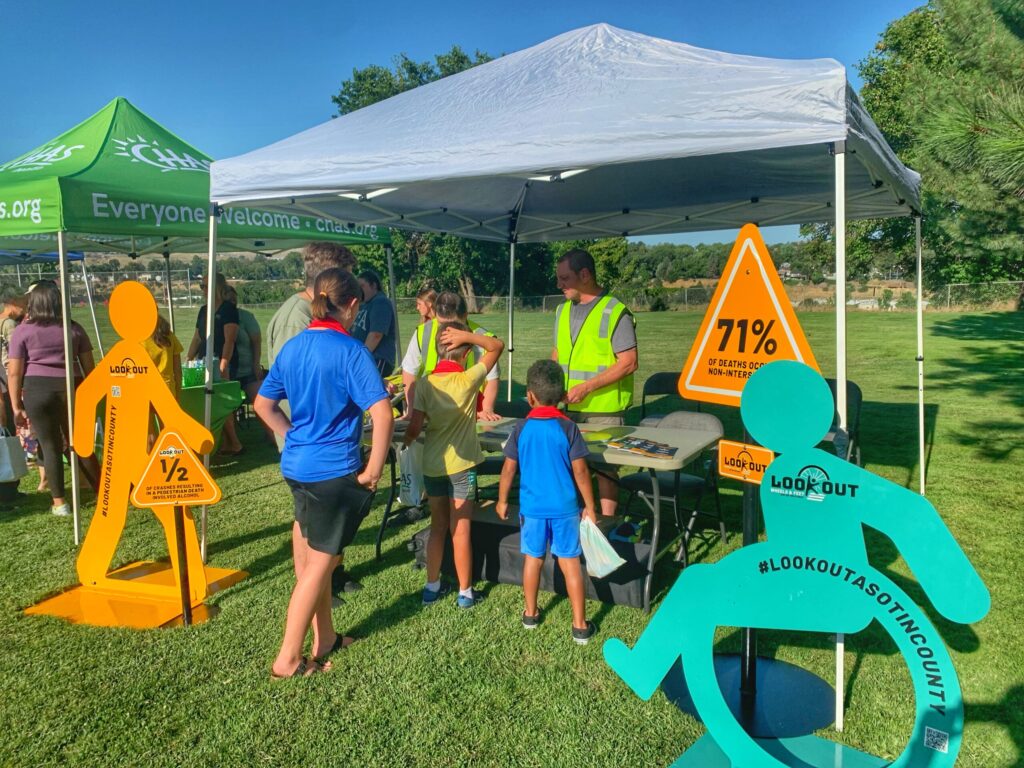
329, 380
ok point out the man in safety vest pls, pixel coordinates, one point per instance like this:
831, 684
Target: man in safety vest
595, 343
421, 355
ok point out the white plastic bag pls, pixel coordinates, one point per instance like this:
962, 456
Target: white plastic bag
410, 468
601, 557
12, 458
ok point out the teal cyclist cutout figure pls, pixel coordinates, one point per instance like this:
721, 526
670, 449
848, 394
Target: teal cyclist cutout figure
812, 574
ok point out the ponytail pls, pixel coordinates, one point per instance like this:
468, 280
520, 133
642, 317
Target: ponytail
333, 289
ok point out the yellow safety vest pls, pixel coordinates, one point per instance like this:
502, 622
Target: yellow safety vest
592, 354
426, 338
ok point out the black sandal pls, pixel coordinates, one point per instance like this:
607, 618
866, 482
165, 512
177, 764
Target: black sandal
339, 643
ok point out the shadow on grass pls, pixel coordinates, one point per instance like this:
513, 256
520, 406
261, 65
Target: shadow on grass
263, 567
402, 608
1008, 713
888, 433
992, 373
992, 326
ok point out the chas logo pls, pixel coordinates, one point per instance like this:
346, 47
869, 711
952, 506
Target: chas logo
812, 483
128, 369
41, 158
140, 150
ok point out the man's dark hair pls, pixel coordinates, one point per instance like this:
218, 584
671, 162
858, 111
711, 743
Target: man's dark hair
318, 256
449, 306
546, 381
579, 260
371, 277
445, 352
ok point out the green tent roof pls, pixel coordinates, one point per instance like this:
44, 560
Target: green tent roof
121, 181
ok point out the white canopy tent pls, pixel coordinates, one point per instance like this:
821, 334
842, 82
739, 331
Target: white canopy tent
597, 132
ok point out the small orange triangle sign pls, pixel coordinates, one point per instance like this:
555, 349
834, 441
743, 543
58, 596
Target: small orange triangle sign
749, 323
174, 476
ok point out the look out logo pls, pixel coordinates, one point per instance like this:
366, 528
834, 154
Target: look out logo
743, 462
812, 483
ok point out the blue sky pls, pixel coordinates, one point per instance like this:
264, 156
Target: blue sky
232, 76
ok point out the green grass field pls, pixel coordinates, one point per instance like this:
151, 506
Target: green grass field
446, 688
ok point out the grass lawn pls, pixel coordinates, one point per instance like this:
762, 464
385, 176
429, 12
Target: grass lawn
444, 688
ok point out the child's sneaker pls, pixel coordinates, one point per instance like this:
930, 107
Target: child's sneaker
582, 636
468, 601
531, 622
61, 511
431, 596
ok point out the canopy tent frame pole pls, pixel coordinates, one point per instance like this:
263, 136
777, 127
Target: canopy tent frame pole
513, 236
69, 377
839, 152
511, 304
388, 251
92, 308
167, 285
920, 353
211, 288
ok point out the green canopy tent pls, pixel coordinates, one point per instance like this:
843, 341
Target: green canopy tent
119, 181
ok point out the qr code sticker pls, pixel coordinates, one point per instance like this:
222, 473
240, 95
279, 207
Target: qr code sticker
115, 391
937, 740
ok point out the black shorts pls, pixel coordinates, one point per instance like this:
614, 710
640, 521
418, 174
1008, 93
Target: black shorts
329, 511
245, 381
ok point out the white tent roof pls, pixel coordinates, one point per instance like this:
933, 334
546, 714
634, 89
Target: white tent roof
672, 138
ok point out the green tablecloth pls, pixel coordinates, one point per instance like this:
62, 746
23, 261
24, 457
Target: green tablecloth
227, 396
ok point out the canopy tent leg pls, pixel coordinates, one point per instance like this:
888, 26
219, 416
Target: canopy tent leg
92, 308
69, 377
513, 235
511, 303
839, 151
394, 304
920, 353
167, 286
211, 296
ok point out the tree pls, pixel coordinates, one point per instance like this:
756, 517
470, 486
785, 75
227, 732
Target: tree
965, 137
375, 83
443, 261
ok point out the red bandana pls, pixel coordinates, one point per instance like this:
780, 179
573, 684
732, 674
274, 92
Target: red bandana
546, 412
448, 366
330, 324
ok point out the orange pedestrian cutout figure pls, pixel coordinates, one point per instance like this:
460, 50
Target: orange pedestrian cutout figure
129, 382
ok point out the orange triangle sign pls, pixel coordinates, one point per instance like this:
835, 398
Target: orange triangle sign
749, 323
174, 476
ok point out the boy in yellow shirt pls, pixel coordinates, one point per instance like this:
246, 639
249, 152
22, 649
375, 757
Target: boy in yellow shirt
451, 451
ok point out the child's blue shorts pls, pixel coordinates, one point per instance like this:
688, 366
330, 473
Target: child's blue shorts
563, 533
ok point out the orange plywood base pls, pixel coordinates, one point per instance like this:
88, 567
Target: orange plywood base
102, 607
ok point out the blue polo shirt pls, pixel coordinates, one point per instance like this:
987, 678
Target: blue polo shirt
545, 445
328, 379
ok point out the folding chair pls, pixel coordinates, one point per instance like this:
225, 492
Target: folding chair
847, 445
664, 383
672, 484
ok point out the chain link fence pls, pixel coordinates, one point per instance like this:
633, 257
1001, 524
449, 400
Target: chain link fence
970, 296
887, 296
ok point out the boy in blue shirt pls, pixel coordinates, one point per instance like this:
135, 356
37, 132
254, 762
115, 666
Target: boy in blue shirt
548, 451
